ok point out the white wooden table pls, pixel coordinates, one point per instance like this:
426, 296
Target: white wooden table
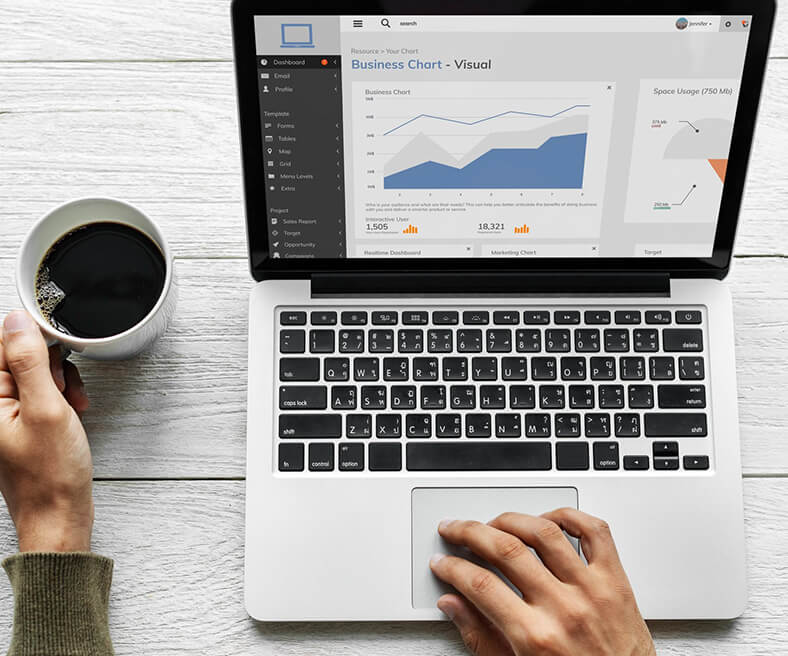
136, 100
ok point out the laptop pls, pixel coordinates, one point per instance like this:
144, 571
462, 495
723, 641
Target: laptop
490, 243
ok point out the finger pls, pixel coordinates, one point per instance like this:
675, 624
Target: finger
7, 386
505, 551
75, 388
549, 541
476, 631
595, 537
3, 363
28, 361
56, 367
486, 591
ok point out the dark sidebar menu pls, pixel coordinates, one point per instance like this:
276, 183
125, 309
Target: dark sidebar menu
301, 118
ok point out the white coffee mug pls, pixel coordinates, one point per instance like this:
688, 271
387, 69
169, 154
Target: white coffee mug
60, 222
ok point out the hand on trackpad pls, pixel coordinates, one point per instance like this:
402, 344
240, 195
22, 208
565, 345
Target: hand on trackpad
431, 505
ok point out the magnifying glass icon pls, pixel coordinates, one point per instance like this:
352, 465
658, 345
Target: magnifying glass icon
385, 22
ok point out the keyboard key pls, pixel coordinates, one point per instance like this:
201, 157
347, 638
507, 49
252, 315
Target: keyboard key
627, 317
411, 340
528, 341
537, 425
478, 425
675, 424
425, 369
388, 426
366, 369
403, 397
492, 397
292, 341
414, 317
603, 368
476, 317
418, 426
433, 397
571, 456
291, 457
645, 340
536, 316
641, 396
543, 368
373, 397
681, 396
596, 317
616, 340
321, 457
351, 341
440, 341
322, 318
395, 369
445, 317
448, 425
455, 368
381, 341
666, 449
343, 397
504, 317
469, 340
696, 462
499, 340
581, 396
655, 317
691, 368
605, 456
666, 464
522, 397
292, 318
385, 457
557, 340
688, 316
682, 339
507, 425
463, 397
484, 368
484, 456
336, 369
385, 318
662, 368
597, 424
551, 397
310, 426
587, 340
627, 424
563, 317
302, 397
611, 396
635, 463
567, 425
632, 368
321, 341
354, 318
299, 369
358, 426
351, 457
514, 368
573, 368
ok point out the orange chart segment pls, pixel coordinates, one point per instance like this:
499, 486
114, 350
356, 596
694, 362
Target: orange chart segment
720, 166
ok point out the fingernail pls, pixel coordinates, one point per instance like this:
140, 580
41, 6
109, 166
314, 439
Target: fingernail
447, 609
18, 321
444, 523
436, 558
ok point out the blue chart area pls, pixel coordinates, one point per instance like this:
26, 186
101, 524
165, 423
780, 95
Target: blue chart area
559, 163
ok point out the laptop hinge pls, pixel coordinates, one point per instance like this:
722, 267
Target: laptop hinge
483, 284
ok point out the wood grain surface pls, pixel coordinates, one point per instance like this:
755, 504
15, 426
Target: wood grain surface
136, 100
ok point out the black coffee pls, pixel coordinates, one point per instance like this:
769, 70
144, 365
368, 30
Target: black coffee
100, 280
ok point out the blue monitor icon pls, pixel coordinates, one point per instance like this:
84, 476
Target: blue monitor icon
297, 35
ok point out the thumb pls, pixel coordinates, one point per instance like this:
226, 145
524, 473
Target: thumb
479, 635
27, 359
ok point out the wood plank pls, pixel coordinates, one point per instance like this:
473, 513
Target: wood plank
179, 410
150, 29
178, 550
164, 136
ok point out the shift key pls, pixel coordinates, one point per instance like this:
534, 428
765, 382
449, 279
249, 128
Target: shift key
675, 424
320, 426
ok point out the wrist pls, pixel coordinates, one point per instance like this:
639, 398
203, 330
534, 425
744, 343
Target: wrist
58, 529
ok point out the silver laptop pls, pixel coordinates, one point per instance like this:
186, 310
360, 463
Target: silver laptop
490, 252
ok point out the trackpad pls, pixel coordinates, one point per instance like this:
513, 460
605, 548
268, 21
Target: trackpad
430, 505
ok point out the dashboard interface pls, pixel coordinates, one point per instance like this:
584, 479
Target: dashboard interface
496, 136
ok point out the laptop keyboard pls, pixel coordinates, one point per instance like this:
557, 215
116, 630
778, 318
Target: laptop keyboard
483, 389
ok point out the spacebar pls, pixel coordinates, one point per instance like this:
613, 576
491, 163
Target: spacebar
509, 456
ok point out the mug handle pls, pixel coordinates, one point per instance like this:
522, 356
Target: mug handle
64, 350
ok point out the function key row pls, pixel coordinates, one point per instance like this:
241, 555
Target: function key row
482, 317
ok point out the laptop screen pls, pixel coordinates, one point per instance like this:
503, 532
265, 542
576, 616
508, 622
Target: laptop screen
496, 136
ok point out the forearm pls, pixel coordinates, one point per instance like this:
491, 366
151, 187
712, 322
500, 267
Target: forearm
60, 604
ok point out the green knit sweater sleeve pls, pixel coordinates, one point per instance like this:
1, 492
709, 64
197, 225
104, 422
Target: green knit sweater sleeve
60, 604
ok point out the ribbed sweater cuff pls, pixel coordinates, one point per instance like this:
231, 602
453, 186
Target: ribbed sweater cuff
60, 604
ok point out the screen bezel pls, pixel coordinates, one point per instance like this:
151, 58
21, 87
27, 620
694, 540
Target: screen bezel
264, 267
